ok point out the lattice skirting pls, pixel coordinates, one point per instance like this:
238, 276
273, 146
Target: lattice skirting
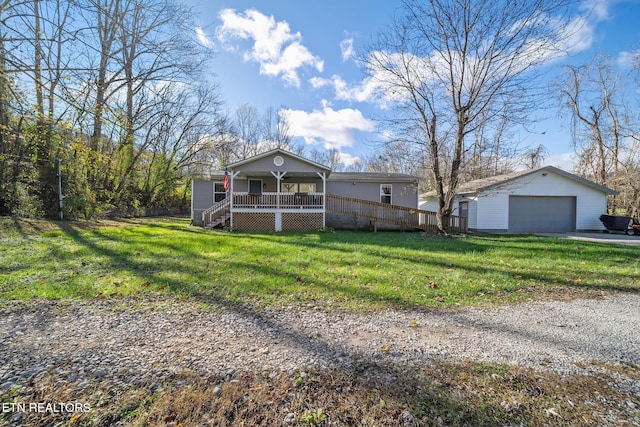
301, 221
265, 221
259, 221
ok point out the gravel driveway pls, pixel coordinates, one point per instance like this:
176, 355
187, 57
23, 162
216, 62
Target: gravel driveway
611, 238
136, 342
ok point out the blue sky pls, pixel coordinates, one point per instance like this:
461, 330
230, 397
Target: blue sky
298, 55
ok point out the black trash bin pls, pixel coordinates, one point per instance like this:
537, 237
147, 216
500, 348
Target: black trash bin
615, 223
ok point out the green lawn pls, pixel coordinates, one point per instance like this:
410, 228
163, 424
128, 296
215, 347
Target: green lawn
356, 270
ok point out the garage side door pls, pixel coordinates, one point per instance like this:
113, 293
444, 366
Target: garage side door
542, 214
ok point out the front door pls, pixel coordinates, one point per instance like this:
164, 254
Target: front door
463, 209
255, 186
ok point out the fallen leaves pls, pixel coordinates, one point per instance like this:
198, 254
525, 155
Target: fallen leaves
552, 411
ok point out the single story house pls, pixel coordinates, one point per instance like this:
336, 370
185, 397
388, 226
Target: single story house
547, 199
280, 191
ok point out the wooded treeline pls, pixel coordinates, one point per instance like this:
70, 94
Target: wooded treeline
113, 89
118, 93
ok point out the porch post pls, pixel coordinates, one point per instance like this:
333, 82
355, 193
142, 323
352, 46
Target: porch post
232, 175
278, 175
323, 176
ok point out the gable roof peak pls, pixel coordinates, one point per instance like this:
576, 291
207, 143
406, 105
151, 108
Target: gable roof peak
494, 181
281, 152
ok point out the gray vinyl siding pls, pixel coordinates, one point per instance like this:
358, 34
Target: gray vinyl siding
270, 183
402, 193
201, 199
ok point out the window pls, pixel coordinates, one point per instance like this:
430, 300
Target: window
255, 186
306, 187
289, 187
218, 192
298, 187
385, 193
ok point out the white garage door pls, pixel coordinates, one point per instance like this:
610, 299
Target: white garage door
542, 214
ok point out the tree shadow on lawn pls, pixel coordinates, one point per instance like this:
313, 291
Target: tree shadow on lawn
195, 284
452, 253
192, 273
430, 400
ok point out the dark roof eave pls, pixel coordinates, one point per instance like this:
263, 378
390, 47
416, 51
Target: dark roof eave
478, 186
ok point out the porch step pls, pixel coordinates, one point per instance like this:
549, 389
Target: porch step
219, 221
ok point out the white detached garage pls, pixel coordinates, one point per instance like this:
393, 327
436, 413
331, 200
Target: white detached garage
547, 199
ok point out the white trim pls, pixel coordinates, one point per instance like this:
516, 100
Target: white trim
278, 175
278, 221
232, 176
276, 210
385, 194
219, 192
323, 176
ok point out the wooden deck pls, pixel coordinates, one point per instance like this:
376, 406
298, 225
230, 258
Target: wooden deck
375, 212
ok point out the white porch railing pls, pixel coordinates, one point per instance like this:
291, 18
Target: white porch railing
217, 211
278, 201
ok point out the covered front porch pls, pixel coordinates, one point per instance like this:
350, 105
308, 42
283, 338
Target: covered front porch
277, 211
275, 191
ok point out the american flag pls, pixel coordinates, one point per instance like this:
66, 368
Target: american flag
225, 183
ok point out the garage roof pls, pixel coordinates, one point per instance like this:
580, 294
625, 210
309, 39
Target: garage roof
480, 185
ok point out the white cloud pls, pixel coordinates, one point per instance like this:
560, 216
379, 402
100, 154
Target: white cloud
627, 59
564, 161
384, 88
367, 90
346, 48
381, 87
598, 8
203, 38
577, 35
332, 128
348, 160
278, 51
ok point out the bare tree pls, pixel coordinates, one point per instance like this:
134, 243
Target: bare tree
396, 157
248, 131
534, 157
174, 139
594, 97
103, 18
153, 54
329, 157
448, 65
6, 96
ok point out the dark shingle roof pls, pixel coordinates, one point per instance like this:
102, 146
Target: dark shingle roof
484, 184
371, 176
